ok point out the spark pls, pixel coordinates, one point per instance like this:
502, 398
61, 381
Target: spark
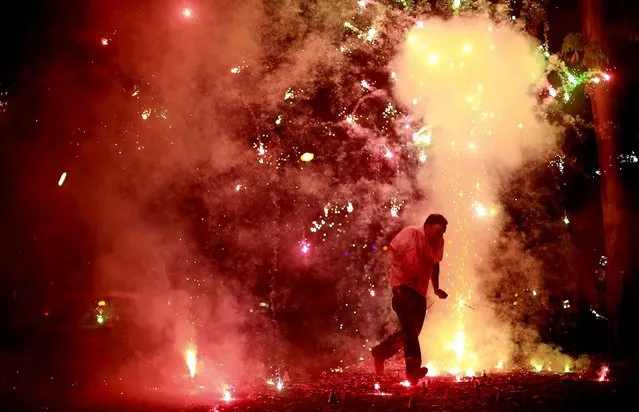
388, 154
377, 386
307, 157
226, 394
104, 41
289, 94
238, 187
191, 360
101, 303
62, 178
423, 136
146, 113
236, 69
372, 292
500, 364
305, 246
534, 292
395, 207
349, 207
100, 319
279, 385
565, 219
365, 84
405, 383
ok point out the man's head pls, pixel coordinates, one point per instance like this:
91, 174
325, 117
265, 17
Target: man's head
435, 226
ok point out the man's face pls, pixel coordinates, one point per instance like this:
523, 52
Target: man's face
434, 232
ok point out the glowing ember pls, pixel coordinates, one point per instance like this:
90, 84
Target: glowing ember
191, 360
63, 177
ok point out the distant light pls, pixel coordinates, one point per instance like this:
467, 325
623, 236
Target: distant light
187, 13
307, 157
63, 177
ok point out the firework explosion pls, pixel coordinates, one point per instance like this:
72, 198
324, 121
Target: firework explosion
246, 182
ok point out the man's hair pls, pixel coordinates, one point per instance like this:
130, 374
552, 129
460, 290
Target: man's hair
436, 219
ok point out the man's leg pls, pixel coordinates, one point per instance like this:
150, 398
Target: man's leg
388, 347
410, 307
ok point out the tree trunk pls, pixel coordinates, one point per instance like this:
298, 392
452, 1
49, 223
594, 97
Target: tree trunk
592, 17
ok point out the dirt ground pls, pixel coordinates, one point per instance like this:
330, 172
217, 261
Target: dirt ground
353, 390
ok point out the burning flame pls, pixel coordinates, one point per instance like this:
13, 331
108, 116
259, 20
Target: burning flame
191, 360
603, 373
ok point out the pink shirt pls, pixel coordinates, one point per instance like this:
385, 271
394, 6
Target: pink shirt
413, 259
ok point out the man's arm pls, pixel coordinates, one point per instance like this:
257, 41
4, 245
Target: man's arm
435, 276
435, 279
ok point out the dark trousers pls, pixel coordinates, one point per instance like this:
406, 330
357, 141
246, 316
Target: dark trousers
410, 308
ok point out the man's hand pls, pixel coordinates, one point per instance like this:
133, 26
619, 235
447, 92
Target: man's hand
441, 294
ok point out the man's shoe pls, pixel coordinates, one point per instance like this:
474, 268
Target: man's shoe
414, 378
